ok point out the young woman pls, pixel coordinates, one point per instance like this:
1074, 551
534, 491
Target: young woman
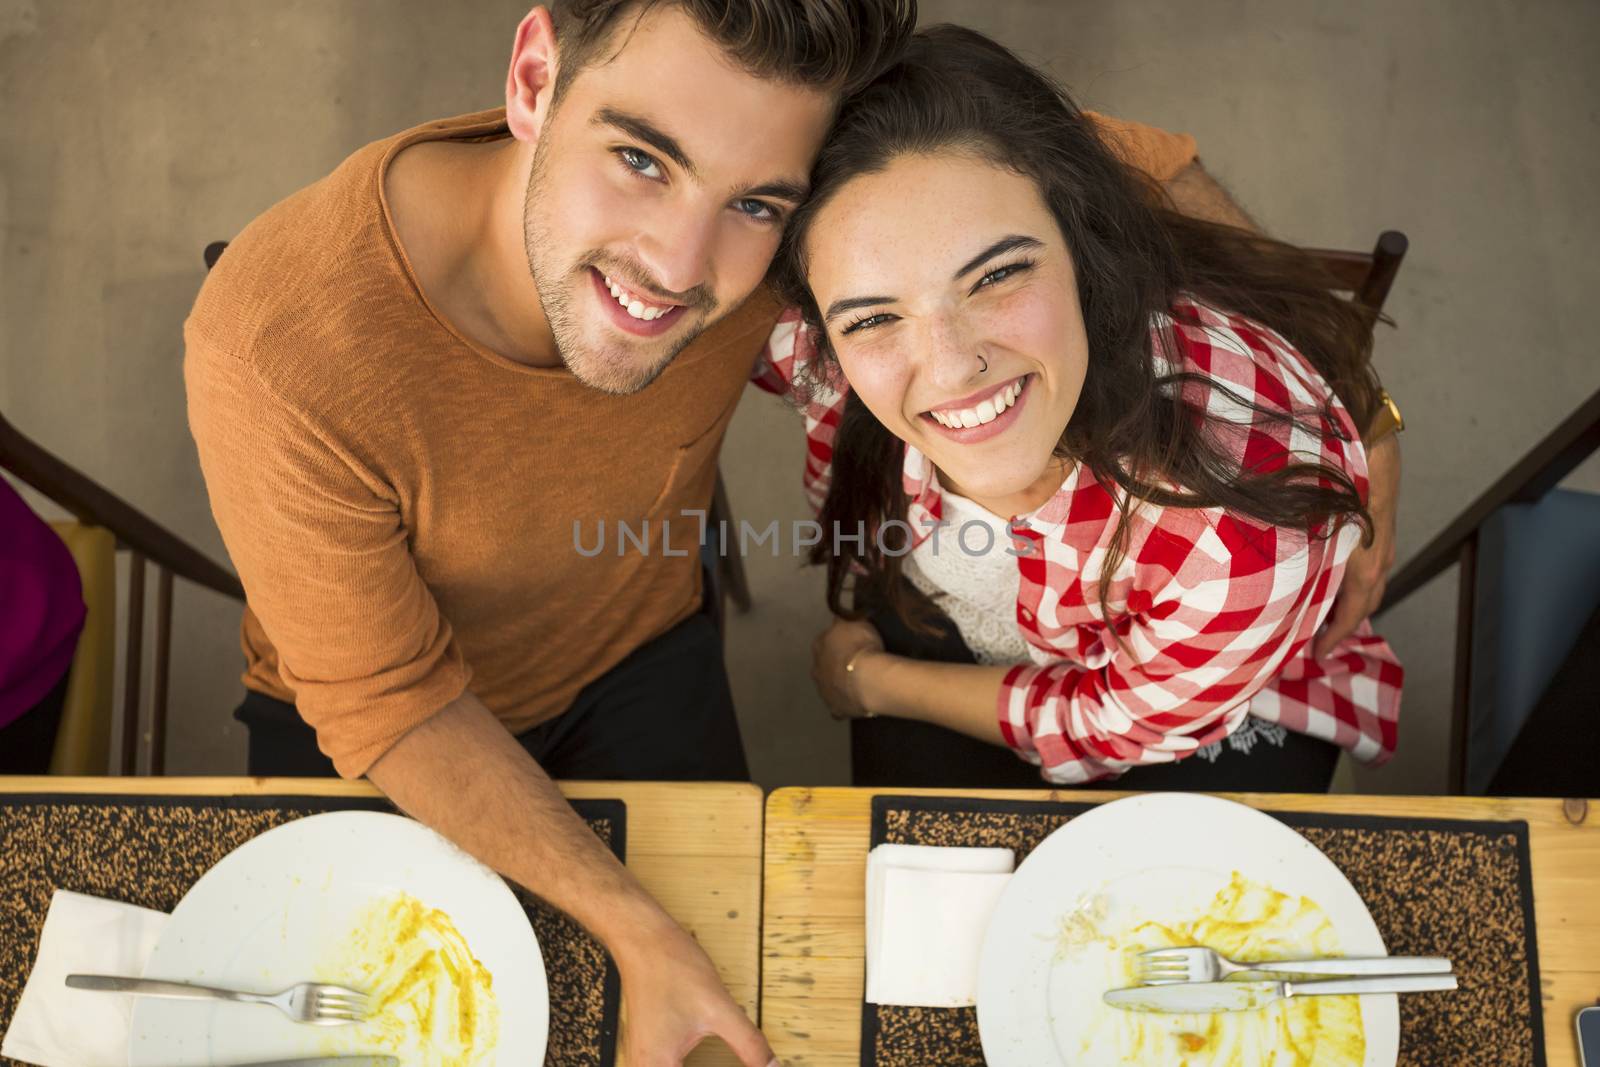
1106, 459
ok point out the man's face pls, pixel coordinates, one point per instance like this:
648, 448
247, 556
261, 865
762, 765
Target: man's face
661, 183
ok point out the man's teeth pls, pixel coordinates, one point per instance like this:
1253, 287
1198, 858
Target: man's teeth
987, 411
632, 304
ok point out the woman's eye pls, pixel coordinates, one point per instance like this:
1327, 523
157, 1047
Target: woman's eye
759, 210
866, 323
1000, 274
641, 163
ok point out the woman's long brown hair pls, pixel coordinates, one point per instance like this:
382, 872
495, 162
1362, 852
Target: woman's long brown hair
1140, 433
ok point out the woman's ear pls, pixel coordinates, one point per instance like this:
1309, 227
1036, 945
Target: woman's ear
531, 79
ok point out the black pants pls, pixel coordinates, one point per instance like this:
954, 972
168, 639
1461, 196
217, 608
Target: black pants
27, 743
663, 714
899, 753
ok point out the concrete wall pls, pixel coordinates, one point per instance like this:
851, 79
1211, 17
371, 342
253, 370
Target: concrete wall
131, 135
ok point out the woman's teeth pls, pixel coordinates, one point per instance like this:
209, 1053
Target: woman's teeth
988, 411
632, 304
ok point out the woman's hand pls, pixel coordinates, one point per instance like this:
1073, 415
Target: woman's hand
831, 652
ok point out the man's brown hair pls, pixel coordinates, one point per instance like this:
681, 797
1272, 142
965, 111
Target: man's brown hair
837, 45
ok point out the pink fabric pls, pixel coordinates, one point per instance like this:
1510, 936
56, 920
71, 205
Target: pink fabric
41, 607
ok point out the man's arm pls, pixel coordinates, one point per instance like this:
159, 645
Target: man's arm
461, 773
1366, 573
321, 550
1197, 194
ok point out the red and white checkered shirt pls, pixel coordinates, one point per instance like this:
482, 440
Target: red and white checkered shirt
1216, 613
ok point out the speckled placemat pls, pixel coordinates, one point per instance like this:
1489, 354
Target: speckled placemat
149, 851
1435, 887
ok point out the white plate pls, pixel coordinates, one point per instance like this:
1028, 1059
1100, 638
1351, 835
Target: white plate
1161, 857
276, 909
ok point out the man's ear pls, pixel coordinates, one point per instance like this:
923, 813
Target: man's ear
531, 81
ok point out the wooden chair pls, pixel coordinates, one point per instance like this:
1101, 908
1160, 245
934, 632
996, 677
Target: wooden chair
146, 542
1367, 276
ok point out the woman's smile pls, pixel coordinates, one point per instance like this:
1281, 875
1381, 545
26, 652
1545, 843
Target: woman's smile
981, 416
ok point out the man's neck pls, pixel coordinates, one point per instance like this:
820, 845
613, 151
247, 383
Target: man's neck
457, 210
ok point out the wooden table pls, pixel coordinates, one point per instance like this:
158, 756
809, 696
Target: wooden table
696, 847
813, 926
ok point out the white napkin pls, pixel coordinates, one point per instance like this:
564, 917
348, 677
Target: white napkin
59, 1027
927, 909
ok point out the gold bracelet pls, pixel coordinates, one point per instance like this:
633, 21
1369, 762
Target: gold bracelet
1387, 420
850, 668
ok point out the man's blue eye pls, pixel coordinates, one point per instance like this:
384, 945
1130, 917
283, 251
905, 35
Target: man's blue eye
759, 210
640, 163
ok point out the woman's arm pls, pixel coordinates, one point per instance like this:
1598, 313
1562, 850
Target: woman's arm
1222, 611
857, 679
957, 696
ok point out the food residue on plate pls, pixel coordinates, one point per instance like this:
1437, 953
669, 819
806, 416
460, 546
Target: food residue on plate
1096, 947
430, 1001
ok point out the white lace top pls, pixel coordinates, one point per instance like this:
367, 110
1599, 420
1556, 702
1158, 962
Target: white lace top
967, 571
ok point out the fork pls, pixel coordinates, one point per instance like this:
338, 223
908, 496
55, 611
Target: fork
1164, 966
308, 1002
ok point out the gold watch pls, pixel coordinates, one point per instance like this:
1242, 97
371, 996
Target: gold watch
1386, 420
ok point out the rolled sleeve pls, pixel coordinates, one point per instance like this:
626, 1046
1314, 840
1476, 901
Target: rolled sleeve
1159, 153
323, 555
790, 367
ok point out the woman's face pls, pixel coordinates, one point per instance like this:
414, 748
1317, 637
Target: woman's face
928, 270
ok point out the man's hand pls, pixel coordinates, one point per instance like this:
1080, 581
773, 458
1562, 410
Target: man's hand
461, 773
1196, 193
1366, 575
673, 1000
831, 652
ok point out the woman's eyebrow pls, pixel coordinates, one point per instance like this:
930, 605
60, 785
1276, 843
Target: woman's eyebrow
1000, 247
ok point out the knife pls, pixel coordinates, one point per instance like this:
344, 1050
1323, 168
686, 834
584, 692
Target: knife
1191, 997
330, 1061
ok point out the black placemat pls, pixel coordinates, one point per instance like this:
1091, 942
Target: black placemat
1435, 887
149, 850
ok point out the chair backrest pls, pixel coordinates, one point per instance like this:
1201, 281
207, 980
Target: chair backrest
1366, 276
83, 741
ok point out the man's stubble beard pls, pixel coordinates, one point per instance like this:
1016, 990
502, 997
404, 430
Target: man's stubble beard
615, 372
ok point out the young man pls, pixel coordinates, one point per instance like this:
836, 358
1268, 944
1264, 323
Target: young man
410, 379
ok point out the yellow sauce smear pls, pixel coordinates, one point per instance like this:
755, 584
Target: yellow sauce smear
1248, 922
432, 1003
